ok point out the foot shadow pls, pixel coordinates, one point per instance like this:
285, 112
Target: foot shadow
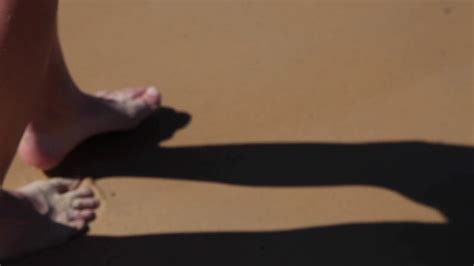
125, 148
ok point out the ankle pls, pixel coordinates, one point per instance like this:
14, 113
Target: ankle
60, 109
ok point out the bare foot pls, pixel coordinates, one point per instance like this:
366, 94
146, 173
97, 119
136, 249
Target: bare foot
43, 214
60, 127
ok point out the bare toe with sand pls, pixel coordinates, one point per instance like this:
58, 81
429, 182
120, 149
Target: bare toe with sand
43, 214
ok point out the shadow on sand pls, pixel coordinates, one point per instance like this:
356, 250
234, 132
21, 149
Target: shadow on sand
434, 174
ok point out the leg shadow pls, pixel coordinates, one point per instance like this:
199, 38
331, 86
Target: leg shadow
439, 175
358, 244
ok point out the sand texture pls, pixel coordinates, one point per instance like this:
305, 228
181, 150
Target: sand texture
293, 133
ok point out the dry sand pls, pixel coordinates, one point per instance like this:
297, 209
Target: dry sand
269, 139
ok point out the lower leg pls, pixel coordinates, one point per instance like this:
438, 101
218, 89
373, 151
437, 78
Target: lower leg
23, 64
43, 213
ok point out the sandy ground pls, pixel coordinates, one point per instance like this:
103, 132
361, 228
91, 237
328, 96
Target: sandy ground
294, 133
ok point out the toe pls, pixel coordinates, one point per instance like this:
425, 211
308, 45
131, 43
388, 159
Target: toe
78, 224
83, 192
121, 95
134, 93
63, 185
152, 97
85, 203
85, 215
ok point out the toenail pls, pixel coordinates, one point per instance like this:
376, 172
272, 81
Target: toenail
85, 191
152, 91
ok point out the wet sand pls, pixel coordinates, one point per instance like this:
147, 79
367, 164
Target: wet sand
302, 133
